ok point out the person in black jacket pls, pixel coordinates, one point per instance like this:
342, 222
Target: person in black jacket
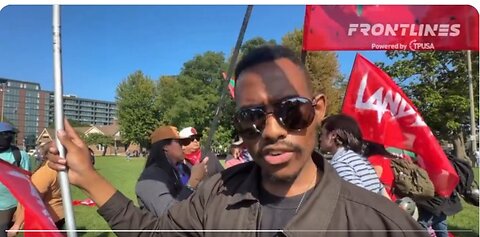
166, 179
433, 212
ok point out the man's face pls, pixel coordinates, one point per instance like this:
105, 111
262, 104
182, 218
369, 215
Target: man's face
281, 153
174, 151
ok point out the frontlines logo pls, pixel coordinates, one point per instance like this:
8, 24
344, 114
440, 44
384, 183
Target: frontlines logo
404, 29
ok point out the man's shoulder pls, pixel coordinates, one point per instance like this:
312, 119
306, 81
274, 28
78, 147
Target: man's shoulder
375, 206
231, 177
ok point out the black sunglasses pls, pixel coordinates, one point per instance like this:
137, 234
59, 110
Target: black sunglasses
187, 141
293, 113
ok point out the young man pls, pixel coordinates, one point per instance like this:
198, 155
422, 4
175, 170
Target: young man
341, 137
288, 188
12, 155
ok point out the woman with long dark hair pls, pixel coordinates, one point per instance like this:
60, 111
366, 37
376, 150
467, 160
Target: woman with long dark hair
166, 179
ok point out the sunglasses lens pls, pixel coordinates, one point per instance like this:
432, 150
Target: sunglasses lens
196, 137
184, 142
250, 122
295, 113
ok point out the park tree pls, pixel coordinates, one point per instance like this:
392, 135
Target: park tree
437, 83
323, 70
99, 139
137, 112
190, 99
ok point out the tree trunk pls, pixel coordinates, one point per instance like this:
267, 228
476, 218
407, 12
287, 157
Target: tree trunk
459, 147
104, 150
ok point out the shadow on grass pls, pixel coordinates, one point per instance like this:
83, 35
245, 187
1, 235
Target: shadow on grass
459, 232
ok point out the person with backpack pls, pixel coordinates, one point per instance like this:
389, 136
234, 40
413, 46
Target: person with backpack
404, 181
434, 212
380, 159
12, 155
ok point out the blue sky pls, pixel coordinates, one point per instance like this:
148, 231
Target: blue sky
102, 45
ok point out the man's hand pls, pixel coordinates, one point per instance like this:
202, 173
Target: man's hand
198, 172
77, 156
80, 169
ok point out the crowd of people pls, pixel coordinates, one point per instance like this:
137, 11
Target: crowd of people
276, 180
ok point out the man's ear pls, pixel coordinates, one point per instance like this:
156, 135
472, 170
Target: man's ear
320, 108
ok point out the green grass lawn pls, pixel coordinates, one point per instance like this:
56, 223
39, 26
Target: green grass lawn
123, 175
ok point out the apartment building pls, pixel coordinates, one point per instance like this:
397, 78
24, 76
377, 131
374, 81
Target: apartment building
87, 111
31, 109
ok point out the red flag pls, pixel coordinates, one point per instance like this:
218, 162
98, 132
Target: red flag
36, 214
386, 116
391, 27
231, 85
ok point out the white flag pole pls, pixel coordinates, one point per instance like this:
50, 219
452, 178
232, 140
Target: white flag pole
57, 70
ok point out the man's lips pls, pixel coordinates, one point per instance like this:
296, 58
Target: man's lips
278, 157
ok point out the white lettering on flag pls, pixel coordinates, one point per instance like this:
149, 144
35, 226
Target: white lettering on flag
390, 102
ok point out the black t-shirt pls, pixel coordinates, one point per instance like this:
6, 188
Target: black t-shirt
276, 212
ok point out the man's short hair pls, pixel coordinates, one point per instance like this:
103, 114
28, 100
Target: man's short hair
266, 53
347, 130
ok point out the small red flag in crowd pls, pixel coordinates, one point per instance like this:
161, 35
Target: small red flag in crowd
231, 85
386, 116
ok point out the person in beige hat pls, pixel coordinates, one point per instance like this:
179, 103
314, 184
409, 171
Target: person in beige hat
166, 179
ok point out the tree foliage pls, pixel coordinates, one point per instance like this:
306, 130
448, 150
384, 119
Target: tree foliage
253, 43
323, 70
437, 83
190, 99
137, 111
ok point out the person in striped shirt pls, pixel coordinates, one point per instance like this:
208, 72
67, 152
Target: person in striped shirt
341, 137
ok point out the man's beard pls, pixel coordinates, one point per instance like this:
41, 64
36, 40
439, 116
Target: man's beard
282, 180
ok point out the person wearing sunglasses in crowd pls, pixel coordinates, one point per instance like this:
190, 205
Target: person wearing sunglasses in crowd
190, 141
341, 137
289, 190
165, 179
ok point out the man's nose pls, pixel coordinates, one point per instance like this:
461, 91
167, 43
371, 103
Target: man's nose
273, 129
